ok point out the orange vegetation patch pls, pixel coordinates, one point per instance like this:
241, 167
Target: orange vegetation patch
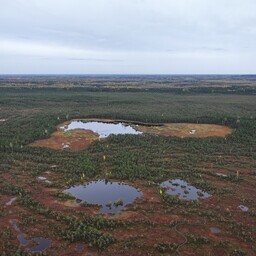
73, 140
187, 130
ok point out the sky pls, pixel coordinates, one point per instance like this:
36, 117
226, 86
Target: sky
127, 37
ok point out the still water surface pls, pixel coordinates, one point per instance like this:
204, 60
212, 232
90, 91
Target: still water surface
103, 129
111, 196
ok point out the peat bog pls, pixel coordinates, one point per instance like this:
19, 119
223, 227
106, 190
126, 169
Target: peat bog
181, 183
79, 134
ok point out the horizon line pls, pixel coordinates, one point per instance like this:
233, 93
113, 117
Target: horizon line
129, 74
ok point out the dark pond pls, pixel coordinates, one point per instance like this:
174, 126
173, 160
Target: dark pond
183, 189
111, 196
103, 129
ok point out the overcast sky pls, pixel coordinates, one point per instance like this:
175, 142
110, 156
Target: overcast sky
127, 36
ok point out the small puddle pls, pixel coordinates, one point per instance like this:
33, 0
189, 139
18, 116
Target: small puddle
243, 208
215, 230
65, 145
11, 201
42, 178
192, 132
183, 189
14, 225
112, 196
103, 129
79, 247
42, 244
222, 175
22, 239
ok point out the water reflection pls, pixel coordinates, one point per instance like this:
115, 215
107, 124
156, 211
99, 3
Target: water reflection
183, 189
112, 196
22, 239
42, 244
11, 201
243, 208
103, 129
215, 230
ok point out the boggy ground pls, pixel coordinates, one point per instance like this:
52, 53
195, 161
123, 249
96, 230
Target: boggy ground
74, 140
154, 226
184, 130
79, 139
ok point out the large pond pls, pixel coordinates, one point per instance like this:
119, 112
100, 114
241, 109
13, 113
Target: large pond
183, 190
102, 128
111, 196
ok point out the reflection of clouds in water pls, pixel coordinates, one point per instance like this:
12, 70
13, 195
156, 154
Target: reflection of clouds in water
42, 243
44, 179
243, 208
215, 230
112, 196
103, 129
183, 189
11, 201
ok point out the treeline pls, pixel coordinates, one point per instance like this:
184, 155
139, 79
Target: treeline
20, 132
182, 90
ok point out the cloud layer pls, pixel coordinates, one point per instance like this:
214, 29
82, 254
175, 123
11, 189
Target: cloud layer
135, 36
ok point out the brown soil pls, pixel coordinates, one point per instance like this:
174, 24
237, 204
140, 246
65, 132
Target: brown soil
184, 130
74, 140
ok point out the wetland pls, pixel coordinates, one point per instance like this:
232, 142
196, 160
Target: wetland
111, 196
79, 134
173, 173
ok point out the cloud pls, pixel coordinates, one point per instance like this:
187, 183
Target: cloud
138, 33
